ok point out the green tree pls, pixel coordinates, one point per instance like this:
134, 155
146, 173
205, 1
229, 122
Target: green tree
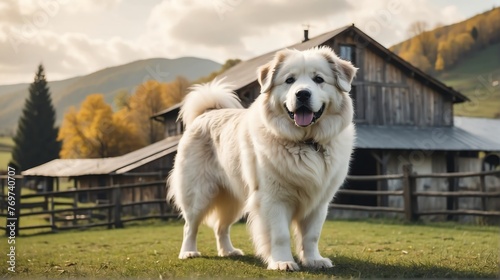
35, 139
474, 33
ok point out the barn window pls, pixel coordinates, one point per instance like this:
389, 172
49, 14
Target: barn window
348, 52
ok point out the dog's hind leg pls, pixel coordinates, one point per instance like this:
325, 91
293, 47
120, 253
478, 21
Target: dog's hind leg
224, 212
194, 205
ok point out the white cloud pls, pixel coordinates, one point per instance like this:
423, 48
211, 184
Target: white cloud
90, 6
73, 53
221, 29
388, 21
59, 34
451, 14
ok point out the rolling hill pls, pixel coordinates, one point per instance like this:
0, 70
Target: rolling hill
478, 77
470, 50
108, 81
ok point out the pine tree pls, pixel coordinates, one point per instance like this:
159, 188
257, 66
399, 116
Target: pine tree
35, 139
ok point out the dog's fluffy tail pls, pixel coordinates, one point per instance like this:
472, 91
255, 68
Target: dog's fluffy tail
204, 97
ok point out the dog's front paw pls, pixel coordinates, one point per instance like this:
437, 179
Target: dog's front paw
234, 252
288, 266
189, 254
317, 263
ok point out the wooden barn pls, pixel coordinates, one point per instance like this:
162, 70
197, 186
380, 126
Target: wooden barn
402, 114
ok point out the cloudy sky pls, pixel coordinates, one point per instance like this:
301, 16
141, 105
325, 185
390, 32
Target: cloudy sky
77, 37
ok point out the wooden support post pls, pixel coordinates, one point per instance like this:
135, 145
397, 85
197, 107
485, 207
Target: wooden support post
382, 200
46, 204
75, 207
110, 210
52, 214
410, 200
162, 202
452, 202
117, 202
141, 198
133, 190
483, 189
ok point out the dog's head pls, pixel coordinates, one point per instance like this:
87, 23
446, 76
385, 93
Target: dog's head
310, 88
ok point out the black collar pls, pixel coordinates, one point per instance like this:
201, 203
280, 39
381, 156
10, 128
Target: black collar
315, 145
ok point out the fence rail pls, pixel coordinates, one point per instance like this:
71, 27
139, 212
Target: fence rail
410, 194
55, 215
62, 210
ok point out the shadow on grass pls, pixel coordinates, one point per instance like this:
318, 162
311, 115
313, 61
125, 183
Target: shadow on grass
347, 267
351, 267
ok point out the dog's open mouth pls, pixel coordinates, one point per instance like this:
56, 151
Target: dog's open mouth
303, 116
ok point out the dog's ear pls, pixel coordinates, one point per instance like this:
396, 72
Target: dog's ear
346, 73
265, 77
266, 73
343, 70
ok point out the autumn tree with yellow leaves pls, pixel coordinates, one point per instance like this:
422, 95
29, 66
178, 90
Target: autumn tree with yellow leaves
148, 99
94, 131
443, 47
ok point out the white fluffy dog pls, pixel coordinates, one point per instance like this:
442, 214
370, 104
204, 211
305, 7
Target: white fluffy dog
281, 160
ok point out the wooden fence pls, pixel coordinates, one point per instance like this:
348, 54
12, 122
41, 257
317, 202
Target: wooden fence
410, 194
61, 210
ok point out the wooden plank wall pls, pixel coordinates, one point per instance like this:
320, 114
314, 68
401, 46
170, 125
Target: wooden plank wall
386, 95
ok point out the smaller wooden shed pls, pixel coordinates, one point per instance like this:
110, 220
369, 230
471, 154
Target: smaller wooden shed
151, 163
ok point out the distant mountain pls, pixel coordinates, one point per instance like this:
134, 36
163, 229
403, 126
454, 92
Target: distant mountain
464, 55
109, 81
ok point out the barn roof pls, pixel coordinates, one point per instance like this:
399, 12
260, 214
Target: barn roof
423, 138
485, 128
163, 113
112, 165
245, 73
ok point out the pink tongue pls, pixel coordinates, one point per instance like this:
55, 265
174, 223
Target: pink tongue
303, 118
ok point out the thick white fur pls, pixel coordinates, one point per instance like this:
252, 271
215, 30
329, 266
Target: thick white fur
233, 161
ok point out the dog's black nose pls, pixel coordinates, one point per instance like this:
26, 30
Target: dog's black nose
303, 95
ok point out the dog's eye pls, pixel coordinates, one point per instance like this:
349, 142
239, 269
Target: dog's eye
290, 80
318, 80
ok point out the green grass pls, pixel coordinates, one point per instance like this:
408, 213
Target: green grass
359, 250
473, 76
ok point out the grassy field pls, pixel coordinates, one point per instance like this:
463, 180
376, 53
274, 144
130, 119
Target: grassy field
474, 77
359, 250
